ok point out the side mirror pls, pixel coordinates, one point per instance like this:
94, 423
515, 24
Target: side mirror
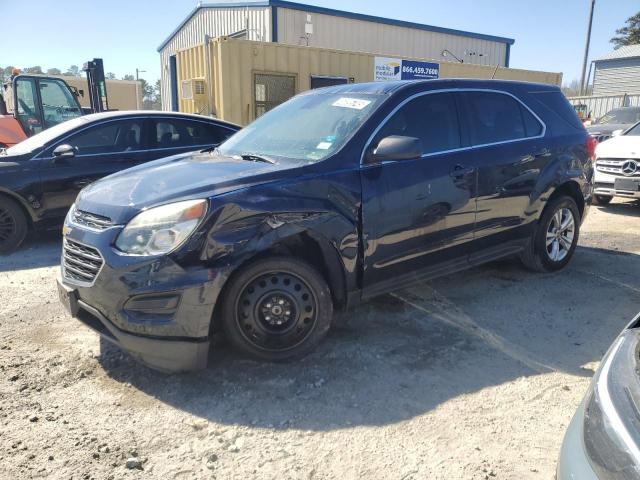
64, 151
396, 147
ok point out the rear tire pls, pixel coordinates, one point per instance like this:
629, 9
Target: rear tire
13, 225
556, 236
276, 309
602, 199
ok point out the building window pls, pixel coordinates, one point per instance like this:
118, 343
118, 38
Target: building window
272, 90
319, 81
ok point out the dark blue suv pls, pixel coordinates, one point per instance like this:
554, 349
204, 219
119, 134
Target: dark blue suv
336, 196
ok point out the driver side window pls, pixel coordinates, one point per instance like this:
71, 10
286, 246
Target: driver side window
433, 118
111, 137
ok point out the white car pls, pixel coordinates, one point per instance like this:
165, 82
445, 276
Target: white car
618, 167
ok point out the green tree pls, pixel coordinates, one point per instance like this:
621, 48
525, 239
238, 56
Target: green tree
158, 88
5, 73
72, 71
150, 97
629, 34
110, 76
37, 70
54, 71
128, 77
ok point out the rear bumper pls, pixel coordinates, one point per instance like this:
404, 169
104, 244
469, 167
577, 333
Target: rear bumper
161, 353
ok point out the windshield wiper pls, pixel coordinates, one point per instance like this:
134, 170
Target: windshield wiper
211, 149
257, 158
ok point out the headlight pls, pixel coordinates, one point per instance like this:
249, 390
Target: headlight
612, 418
162, 229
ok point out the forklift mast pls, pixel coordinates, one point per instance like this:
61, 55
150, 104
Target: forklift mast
97, 85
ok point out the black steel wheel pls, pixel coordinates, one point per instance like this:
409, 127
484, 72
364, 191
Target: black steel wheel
13, 225
277, 308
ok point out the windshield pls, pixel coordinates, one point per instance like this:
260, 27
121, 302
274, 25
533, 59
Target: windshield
623, 115
41, 139
634, 131
307, 128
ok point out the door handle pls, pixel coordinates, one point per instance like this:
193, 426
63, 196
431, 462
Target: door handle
82, 183
460, 171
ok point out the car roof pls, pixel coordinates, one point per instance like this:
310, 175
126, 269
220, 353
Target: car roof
394, 86
92, 117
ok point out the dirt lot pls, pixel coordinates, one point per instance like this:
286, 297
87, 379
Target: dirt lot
472, 376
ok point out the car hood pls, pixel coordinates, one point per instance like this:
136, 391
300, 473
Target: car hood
122, 195
619, 147
606, 128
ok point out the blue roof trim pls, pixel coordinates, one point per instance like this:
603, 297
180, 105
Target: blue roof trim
339, 13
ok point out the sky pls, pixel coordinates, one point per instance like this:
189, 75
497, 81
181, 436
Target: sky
549, 34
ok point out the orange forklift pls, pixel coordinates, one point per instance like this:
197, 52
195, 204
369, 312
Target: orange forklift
30, 104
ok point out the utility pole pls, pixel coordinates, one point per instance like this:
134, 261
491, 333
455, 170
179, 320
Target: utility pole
138, 72
583, 86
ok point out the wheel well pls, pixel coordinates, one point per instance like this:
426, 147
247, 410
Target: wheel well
311, 249
22, 207
571, 189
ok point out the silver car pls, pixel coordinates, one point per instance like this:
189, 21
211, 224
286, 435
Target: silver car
603, 439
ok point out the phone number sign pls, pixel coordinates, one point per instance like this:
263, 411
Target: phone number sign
386, 69
413, 70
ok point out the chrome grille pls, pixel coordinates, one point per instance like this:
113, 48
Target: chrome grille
90, 220
613, 166
80, 263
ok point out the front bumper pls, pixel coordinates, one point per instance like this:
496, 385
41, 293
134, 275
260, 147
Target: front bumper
152, 307
573, 463
168, 355
605, 185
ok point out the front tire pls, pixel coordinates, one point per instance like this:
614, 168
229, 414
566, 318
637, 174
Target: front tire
276, 309
13, 225
555, 238
602, 199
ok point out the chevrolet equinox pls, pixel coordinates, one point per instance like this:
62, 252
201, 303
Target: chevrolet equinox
329, 199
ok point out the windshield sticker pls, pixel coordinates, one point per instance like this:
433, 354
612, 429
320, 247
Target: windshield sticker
355, 103
324, 145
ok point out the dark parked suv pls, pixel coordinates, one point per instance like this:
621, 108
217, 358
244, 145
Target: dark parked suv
337, 195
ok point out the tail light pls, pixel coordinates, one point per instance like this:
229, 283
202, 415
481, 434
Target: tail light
592, 143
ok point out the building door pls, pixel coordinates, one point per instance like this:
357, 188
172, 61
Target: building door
271, 90
173, 82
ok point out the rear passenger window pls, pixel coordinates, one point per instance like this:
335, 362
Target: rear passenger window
432, 118
173, 133
496, 117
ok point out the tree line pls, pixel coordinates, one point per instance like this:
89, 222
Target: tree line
151, 99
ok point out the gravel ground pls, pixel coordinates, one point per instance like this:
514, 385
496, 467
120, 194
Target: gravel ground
471, 376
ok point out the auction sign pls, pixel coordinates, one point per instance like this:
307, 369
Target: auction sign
386, 68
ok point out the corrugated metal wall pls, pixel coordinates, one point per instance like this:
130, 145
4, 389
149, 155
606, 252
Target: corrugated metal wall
234, 64
363, 36
597, 106
617, 76
215, 22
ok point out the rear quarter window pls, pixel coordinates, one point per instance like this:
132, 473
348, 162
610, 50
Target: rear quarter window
557, 103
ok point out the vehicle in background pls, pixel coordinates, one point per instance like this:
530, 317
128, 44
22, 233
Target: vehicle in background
603, 439
618, 167
30, 104
615, 121
336, 196
41, 176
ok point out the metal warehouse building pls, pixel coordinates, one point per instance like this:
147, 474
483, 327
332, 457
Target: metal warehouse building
291, 23
618, 72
